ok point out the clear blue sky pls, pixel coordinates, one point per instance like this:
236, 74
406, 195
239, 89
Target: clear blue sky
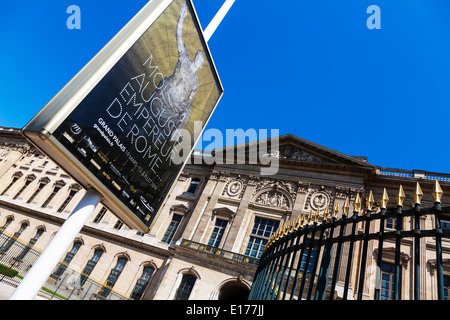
311, 68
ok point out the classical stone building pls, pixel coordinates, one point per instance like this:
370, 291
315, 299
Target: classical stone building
207, 240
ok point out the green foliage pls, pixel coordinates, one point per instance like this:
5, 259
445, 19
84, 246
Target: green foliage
7, 271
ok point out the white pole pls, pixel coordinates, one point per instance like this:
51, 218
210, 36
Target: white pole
208, 32
47, 261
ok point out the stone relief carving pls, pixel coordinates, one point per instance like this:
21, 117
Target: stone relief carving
319, 200
290, 187
294, 153
319, 197
234, 188
273, 199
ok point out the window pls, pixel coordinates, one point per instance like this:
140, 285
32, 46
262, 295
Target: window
10, 185
118, 225
312, 258
27, 182
66, 202
8, 221
185, 288
262, 230
35, 193
142, 283
67, 259
390, 223
194, 185
218, 232
90, 265
113, 276
13, 238
30, 245
50, 197
100, 215
176, 219
387, 281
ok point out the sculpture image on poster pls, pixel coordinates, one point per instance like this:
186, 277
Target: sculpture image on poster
122, 131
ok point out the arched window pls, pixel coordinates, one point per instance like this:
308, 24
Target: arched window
90, 265
142, 283
14, 238
30, 245
113, 276
185, 288
8, 221
67, 259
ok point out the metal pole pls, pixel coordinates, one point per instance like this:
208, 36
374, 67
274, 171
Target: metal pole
338, 257
38, 274
364, 255
417, 252
398, 268
350, 256
439, 268
308, 257
299, 262
208, 32
325, 264
316, 262
379, 255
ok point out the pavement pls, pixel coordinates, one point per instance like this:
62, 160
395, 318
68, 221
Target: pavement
6, 290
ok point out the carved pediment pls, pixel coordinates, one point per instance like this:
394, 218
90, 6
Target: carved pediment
292, 149
180, 208
224, 211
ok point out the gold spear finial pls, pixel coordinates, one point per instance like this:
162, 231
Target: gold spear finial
357, 204
285, 228
316, 217
291, 227
336, 209
302, 221
326, 213
384, 200
401, 196
309, 216
297, 223
437, 194
417, 194
345, 208
370, 201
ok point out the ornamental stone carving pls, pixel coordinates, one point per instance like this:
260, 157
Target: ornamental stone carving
234, 188
319, 200
294, 153
273, 199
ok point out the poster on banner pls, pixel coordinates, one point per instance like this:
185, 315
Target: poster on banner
115, 126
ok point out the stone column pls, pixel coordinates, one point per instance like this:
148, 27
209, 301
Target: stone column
223, 179
12, 157
201, 203
233, 241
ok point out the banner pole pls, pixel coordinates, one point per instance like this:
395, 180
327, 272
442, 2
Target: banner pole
208, 32
49, 258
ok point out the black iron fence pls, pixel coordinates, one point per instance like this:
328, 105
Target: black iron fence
374, 255
16, 258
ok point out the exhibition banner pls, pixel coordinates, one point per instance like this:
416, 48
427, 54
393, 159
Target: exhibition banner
116, 126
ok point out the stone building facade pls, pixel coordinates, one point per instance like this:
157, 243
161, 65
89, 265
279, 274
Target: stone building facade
207, 240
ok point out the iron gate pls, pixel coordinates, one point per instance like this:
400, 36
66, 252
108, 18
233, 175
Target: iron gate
306, 260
